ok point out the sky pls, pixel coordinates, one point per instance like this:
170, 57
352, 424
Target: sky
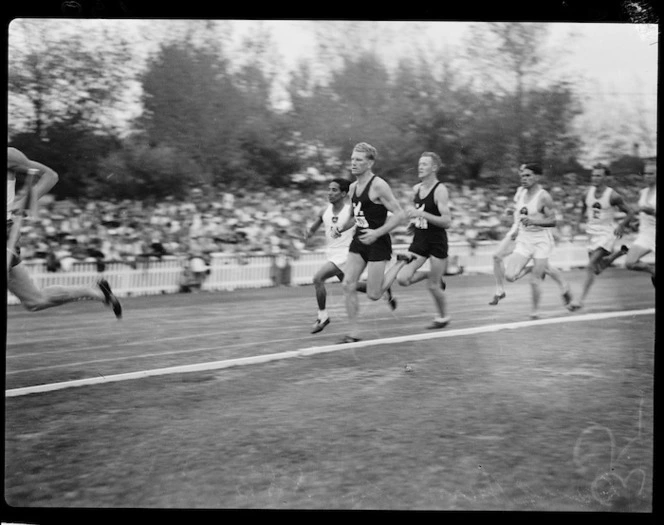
616, 53
608, 52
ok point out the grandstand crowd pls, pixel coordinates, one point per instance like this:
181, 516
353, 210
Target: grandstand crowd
245, 223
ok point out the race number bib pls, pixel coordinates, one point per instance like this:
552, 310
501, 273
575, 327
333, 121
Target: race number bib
360, 219
420, 222
333, 226
596, 210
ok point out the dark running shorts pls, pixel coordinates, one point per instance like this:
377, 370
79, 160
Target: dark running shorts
422, 246
381, 250
16, 256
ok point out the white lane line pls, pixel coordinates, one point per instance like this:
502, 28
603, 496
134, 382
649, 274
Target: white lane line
228, 363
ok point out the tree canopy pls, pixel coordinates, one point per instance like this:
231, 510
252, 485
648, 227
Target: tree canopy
207, 115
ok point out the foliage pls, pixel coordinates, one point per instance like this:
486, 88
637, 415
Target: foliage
72, 152
140, 171
83, 90
207, 118
221, 121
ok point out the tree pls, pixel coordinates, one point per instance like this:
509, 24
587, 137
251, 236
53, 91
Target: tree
264, 136
192, 106
511, 62
352, 106
426, 109
549, 133
66, 86
84, 90
437, 109
73, 153
217, 116
141, 171
613, 123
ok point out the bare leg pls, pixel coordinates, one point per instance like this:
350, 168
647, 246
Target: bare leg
411, 273
20, 283
390, 276
355, 265
558, 277
633, 262
515, 267
505, 248
607, 260
536, 285
438, 267
326, 271
329, 269
499, 274
376, 279
594, 261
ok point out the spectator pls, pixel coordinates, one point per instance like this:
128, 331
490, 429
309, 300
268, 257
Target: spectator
52, 261
238, 222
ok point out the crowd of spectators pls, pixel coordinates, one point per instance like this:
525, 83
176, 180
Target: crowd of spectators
243, 223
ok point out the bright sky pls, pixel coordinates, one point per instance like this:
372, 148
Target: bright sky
616, 53
610, 53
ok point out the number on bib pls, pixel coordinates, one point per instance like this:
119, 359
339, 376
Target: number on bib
360, 219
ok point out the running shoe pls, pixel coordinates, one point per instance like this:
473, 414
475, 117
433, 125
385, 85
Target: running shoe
391, 301
109, 298
574, 306
348, 339
405, 257
439, 323
319, 325
497, 298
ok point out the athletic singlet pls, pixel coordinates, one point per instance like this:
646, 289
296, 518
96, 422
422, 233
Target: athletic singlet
647, 223
515, 199
11, 195
368, 214
428, 204
529, 208
600, 216
12, 160
330, 219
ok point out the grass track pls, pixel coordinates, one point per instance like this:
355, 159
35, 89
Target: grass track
527, 419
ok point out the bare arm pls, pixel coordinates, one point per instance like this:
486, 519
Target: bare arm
19, 164
347, 224
314, 227
618, 201
385, 196
648, 210
442, 201
410, 211
583, 217
546, 209
350, 221
382, 193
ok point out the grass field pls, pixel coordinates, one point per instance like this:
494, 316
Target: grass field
492, 413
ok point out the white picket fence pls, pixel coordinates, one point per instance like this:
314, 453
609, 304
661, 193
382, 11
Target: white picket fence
229, 272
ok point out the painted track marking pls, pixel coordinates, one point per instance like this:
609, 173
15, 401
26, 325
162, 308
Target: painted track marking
243, 361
